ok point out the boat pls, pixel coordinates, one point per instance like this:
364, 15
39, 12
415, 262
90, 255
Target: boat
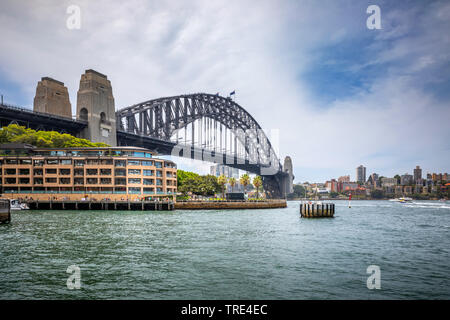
16, 205
402, 199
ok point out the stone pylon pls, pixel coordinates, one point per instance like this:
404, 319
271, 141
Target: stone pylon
52, 97
95, 104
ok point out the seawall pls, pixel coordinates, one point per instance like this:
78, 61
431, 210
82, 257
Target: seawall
219, 205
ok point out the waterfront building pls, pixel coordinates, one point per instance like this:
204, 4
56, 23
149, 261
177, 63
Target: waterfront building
349, 186
115, 173
388, 182
398, 190
417, 174
373, 180
361, 174
332, 186
429, 176
408, 190
406, 179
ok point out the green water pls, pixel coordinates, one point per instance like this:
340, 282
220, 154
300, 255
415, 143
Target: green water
236, 254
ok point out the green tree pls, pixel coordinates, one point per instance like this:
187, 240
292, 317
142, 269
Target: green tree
44, 139
299, 190
232, 182
245, 181
182, 176
222, 181
257, 182
377, 194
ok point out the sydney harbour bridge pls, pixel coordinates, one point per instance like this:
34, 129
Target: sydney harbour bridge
198, 126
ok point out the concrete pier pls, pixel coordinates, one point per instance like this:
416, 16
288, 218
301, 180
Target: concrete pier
102, 205
219, 205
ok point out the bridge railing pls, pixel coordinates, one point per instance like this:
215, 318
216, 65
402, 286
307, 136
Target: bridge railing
26, 110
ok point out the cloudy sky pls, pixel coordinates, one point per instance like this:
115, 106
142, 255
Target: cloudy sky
340, 94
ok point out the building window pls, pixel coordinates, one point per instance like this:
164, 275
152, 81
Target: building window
120, 163
120, 172
24, 172
64, 180
149, 181
24, 180
134, 163
148, 172
105, 181
50, 171
38, 163
158, 164
139, 154
10, 171
159, 173
134, 171
78, 172
91, 180
38, 181
91, 172
149, 190
52, 161
147, 163
37, 172
134, 180
10, 180
158, 182
11, 161
79, 163
58, 153
120, 181
105, 172
78, 181
50, 180
25, 161
64, 172
134, 190
65, 161
148, 155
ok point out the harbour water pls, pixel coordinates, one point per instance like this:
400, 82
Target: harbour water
236, 254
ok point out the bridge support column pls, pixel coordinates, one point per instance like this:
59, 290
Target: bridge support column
95, 104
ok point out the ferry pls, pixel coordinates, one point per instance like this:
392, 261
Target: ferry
16, 205
402, 199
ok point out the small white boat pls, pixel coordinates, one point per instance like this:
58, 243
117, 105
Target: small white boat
402, 199
16, 205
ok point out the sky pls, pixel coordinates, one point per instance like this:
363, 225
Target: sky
339, 94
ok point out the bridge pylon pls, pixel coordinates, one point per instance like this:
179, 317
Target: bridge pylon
95, 104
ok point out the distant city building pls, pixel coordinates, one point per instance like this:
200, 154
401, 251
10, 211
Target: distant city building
388, 182
406, 179
417, 174
429, 176
344, 179
373, 180
332, 186
220, 169
361, 174
349, 186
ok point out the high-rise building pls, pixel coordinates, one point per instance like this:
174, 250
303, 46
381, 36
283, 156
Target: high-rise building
417, 174
361, 174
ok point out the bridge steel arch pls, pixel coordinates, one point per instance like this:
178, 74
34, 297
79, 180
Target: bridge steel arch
161, 118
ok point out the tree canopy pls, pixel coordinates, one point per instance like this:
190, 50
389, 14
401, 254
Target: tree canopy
44, 139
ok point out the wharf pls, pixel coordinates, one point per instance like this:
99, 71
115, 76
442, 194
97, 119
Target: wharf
102, 205
220, 205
